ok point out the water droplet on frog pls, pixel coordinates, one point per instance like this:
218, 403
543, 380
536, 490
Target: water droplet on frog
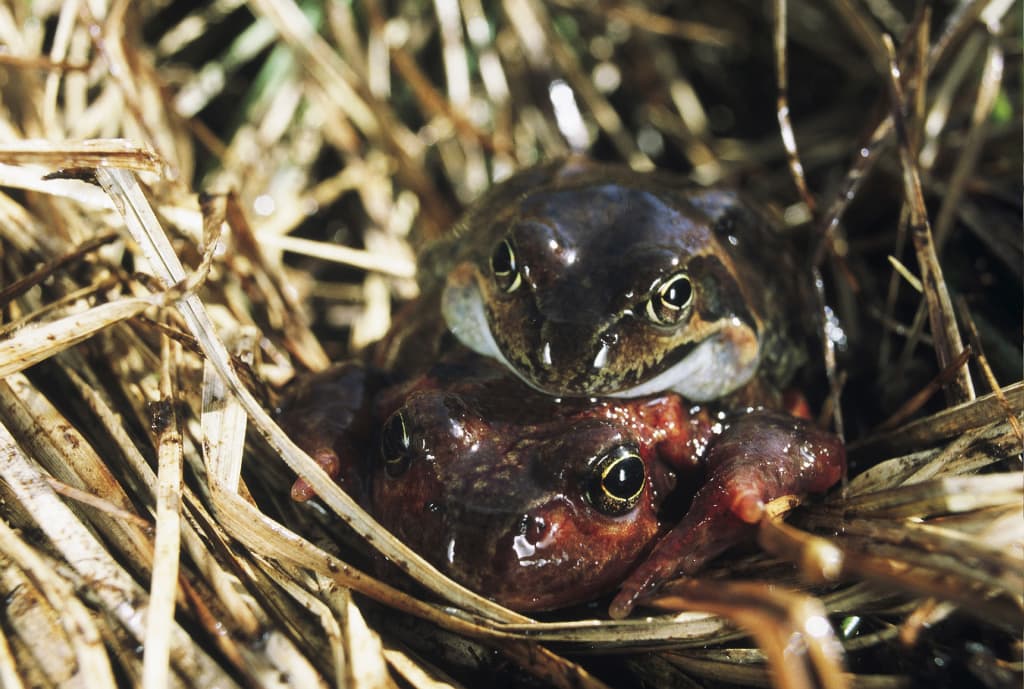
523, 547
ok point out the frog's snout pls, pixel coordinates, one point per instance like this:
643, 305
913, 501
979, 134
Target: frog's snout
566, 348
566, 359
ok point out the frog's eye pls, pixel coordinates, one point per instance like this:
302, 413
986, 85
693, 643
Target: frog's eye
616, 481
395, 445
670, 300
505, 267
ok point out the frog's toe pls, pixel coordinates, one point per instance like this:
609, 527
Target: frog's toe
302, 490
748, 506
328, 460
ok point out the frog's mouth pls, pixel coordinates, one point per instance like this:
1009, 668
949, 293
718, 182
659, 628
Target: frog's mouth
707, 371
700, 370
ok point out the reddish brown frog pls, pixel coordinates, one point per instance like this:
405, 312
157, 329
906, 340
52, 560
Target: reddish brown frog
542, 503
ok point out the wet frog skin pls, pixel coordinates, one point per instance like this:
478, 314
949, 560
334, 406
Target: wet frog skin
595, 280
539, 503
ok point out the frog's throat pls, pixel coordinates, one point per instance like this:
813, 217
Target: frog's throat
712, 370
462, 307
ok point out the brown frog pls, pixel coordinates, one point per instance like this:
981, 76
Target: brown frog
595, 280
542, 503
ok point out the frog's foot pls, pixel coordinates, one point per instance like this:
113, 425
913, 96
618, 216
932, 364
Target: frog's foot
323, 414
328, 460
760, 457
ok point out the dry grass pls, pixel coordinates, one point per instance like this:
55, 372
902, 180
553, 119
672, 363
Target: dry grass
196, 203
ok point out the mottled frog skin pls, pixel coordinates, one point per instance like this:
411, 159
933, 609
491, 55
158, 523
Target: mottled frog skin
541, 503
595, 280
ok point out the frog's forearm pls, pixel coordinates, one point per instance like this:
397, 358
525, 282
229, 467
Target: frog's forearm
760, 457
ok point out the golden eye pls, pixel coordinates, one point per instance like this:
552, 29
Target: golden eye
505, 268
395, 445
671, 300
616, 481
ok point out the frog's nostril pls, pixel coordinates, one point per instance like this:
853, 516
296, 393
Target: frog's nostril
608, 339
532, 532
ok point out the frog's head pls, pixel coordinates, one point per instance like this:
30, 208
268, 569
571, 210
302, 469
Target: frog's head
534, 514
605, 285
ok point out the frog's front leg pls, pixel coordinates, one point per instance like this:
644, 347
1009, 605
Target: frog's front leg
760, 457
327, 414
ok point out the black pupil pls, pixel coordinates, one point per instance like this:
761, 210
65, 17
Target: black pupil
502, 262
395, 446
395, 440
677, 293
625, 478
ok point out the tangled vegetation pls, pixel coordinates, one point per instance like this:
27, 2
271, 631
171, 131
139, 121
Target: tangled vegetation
200, 200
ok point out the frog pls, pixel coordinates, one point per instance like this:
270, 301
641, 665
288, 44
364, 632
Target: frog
593, 280
544, 503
